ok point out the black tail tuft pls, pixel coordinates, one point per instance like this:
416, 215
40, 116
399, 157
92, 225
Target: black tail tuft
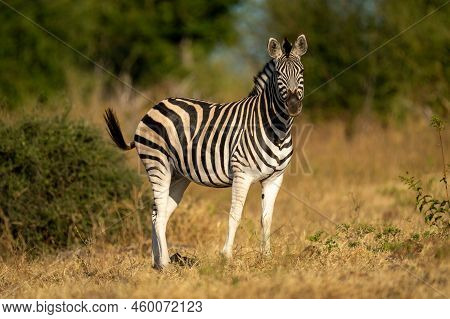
114, 130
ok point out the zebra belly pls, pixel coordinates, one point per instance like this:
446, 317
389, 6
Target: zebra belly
261, 166
200, 166
262, 173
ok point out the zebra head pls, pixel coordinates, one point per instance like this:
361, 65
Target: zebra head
288, 75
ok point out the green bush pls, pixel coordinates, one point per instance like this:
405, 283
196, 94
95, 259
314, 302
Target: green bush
58, 180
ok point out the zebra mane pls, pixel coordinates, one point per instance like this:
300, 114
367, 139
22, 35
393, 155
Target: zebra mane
262, 78
287, 47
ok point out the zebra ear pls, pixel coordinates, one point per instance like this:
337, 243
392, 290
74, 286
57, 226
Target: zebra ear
274, 48
300, 46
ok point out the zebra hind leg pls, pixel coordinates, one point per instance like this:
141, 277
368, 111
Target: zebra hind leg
177, 188
167, 196
176, 191
161, 189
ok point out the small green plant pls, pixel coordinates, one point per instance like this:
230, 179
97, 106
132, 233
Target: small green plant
353, 244
388, 233
331, 243
316, 236
391, 230
364, 229
388, 239
436, 211
343, 227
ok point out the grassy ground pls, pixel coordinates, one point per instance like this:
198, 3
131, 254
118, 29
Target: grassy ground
347, 230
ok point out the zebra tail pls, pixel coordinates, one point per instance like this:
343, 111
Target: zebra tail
115, 132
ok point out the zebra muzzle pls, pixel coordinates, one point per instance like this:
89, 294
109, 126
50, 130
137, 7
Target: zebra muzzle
294, 104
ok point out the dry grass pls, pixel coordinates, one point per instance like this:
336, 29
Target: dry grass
372, 242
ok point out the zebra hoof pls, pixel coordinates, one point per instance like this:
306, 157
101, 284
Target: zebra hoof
160, 266
183, 260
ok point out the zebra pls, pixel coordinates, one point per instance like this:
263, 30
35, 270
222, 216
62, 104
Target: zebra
184, 140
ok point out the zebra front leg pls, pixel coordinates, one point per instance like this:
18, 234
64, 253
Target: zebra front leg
270, 190
240, 187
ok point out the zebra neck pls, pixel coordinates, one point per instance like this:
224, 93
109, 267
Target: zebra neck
262, 78
278, 123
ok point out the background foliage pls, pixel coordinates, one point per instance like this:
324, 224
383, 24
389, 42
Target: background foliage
143, 40
146, 42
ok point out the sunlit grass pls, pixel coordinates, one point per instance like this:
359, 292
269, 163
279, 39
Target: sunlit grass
371, 242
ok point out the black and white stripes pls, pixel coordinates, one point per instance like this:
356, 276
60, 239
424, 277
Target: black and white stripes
182, 140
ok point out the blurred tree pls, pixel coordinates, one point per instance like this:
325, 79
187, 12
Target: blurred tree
148, 40
143, 39
411, 71
414, 69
